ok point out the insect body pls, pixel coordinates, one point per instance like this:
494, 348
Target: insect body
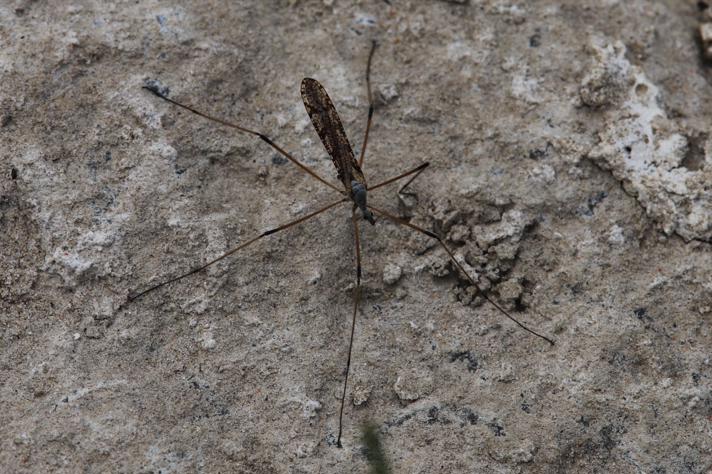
328, 125
349, 171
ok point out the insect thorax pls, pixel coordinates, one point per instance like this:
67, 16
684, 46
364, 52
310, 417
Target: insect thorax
358, 195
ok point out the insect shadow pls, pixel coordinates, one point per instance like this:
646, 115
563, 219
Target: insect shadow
354, 190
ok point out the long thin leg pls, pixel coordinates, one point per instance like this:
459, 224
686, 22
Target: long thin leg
397, 220
370, 104
239, 247
357, 298
417, 170
261, 136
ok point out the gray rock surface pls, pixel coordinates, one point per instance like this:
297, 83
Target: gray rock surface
571, 171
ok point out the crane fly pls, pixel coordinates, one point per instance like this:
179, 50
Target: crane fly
349, 172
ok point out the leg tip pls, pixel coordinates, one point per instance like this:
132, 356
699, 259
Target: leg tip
156, 88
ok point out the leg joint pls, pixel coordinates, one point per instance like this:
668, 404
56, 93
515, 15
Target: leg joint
265, 138
431, 234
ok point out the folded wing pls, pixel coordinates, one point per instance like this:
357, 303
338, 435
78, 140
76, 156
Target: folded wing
331, 131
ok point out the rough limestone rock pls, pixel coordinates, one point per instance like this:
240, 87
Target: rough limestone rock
570, 157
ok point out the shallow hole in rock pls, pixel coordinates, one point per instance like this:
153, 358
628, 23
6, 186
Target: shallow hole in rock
641, 90
695, 157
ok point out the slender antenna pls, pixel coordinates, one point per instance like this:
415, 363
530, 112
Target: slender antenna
370, 104
239, 247
357, 298
154, 89
397, 220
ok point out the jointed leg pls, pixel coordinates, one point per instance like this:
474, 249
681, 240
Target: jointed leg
262, 137
397, 220
357, 298
239, 247
417, 170
370, 104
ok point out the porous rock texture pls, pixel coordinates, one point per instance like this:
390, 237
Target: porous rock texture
570, 172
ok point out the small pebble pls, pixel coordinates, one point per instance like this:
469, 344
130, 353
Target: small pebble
439, 267
615, 236
412, 385
361, 394
509, 291
459, 233
391, 274
706, 37
387, 93
544, 173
